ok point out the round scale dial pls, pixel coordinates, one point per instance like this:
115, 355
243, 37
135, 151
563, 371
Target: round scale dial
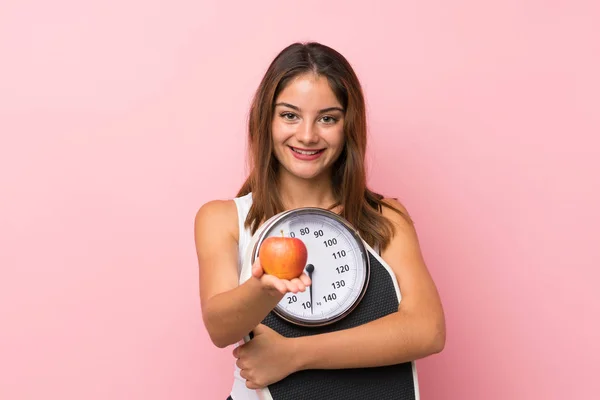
337, 264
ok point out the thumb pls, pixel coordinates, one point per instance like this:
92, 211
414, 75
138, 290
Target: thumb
257, 270
260, 329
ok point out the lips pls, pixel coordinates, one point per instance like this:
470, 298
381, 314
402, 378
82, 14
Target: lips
306, 152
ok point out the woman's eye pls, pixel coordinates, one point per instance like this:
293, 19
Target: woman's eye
288, 116
329, 120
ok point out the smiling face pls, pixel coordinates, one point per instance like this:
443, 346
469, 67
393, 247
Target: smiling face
307, 127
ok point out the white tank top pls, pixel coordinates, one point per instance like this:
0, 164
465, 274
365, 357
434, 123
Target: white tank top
239, 391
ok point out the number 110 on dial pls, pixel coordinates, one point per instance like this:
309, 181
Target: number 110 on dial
337, 264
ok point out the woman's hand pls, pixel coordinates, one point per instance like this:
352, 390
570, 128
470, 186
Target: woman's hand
265, 359
279, 286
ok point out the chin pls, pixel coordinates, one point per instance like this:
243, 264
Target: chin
305, 173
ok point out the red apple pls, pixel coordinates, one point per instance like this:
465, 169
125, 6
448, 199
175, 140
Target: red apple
283, 257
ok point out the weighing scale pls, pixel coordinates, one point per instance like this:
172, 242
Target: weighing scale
351, 285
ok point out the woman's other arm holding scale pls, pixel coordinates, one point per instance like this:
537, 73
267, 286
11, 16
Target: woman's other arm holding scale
417, 330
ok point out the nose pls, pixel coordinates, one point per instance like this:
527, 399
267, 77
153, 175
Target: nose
307, 133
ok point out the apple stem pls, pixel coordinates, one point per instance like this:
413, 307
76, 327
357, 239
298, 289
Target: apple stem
282, 233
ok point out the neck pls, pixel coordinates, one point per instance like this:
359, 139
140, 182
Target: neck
297, 192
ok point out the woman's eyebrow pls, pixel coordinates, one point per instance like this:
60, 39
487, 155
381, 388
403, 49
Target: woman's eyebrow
293, 107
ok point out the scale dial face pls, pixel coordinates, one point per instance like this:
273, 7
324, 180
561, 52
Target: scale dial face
337, 263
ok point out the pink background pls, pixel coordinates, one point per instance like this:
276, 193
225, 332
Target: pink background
118, 119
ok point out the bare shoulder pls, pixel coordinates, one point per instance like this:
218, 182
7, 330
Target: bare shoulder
217, 214
397, 213
216, 240
405, 257
403, 252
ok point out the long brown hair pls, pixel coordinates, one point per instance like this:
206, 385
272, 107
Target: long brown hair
359, 205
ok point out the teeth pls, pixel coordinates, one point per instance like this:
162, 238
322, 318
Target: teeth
308, 153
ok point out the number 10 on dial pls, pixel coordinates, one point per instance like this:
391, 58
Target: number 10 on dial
337, 263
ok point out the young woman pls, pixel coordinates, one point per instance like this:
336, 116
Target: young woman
308, 137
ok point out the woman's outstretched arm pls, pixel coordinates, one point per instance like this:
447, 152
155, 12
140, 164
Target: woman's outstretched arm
230, 311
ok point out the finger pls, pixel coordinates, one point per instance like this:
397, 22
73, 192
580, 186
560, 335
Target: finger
299, 284
292, 286
259, 329
282, 286
237, 352
252, 385
239, 363
244, 374
305, 279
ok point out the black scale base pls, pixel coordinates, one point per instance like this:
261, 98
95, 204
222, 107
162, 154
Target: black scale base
379, 383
